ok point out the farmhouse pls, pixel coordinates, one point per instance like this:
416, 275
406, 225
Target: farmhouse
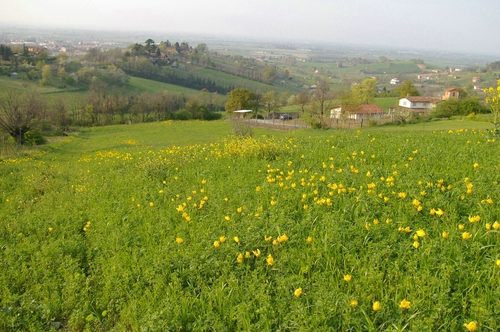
418, 103
360, 112
395, 81
451, 93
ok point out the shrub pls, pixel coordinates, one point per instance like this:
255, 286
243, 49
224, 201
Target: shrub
182, 115
34, 137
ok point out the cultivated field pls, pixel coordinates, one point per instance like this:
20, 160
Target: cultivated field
180, 226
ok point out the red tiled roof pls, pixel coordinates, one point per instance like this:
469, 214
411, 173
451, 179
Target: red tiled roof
417, 99
368, 109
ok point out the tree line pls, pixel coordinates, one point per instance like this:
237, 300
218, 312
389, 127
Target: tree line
22, 113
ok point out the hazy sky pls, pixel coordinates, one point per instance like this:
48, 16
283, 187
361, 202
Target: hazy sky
452, 25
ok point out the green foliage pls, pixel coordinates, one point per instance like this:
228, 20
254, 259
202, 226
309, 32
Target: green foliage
365, 92
34, 137
493, 66
452, 107
240, 99
183, 115
407, 88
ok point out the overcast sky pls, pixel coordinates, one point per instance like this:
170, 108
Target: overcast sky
449, 25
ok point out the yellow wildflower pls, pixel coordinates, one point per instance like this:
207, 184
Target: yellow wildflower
461, 227
222, 239
297, 292
247, 254
268, 238
376, 306
421, 233
404, 304
471, 326
239, 259
498, 263
236, 239
270, 260
496, 226
282, 238
309, 239
347, 278
256, 253
179, 240
488, 226
216, 244
228, 218
416, 244
466, 235
353, 303
50, 229
473, 219
445, 235
239, 210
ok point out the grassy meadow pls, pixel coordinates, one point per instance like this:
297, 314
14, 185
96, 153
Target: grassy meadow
180, 226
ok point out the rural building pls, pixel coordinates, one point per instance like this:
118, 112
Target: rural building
410, 106
451, 93
476, 79
360, 112
35, 50
395, 81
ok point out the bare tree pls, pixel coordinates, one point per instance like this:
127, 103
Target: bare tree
322, 98
302, 99
21, 112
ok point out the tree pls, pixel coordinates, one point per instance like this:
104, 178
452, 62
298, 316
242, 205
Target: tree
46, 75
407, 88
150, 45
21, 112
302, 99
493, 66
240, 99
493, 101
322, 98
271, 102
270, 73
365, 92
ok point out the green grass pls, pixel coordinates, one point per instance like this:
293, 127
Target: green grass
137, 84
386, 102
170, 226
229, 80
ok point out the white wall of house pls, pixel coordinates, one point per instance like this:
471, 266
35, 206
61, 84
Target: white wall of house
404, 102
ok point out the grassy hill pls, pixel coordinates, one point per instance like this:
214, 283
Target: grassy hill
178, 226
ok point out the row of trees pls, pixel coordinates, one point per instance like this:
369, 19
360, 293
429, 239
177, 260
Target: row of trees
5, 52
27, 111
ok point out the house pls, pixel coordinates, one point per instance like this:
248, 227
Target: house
416, 105
359, 112
476, 79
35, 50
395, 81
451, 93
418, 102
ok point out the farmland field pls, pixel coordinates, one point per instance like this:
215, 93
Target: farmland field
181, 226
